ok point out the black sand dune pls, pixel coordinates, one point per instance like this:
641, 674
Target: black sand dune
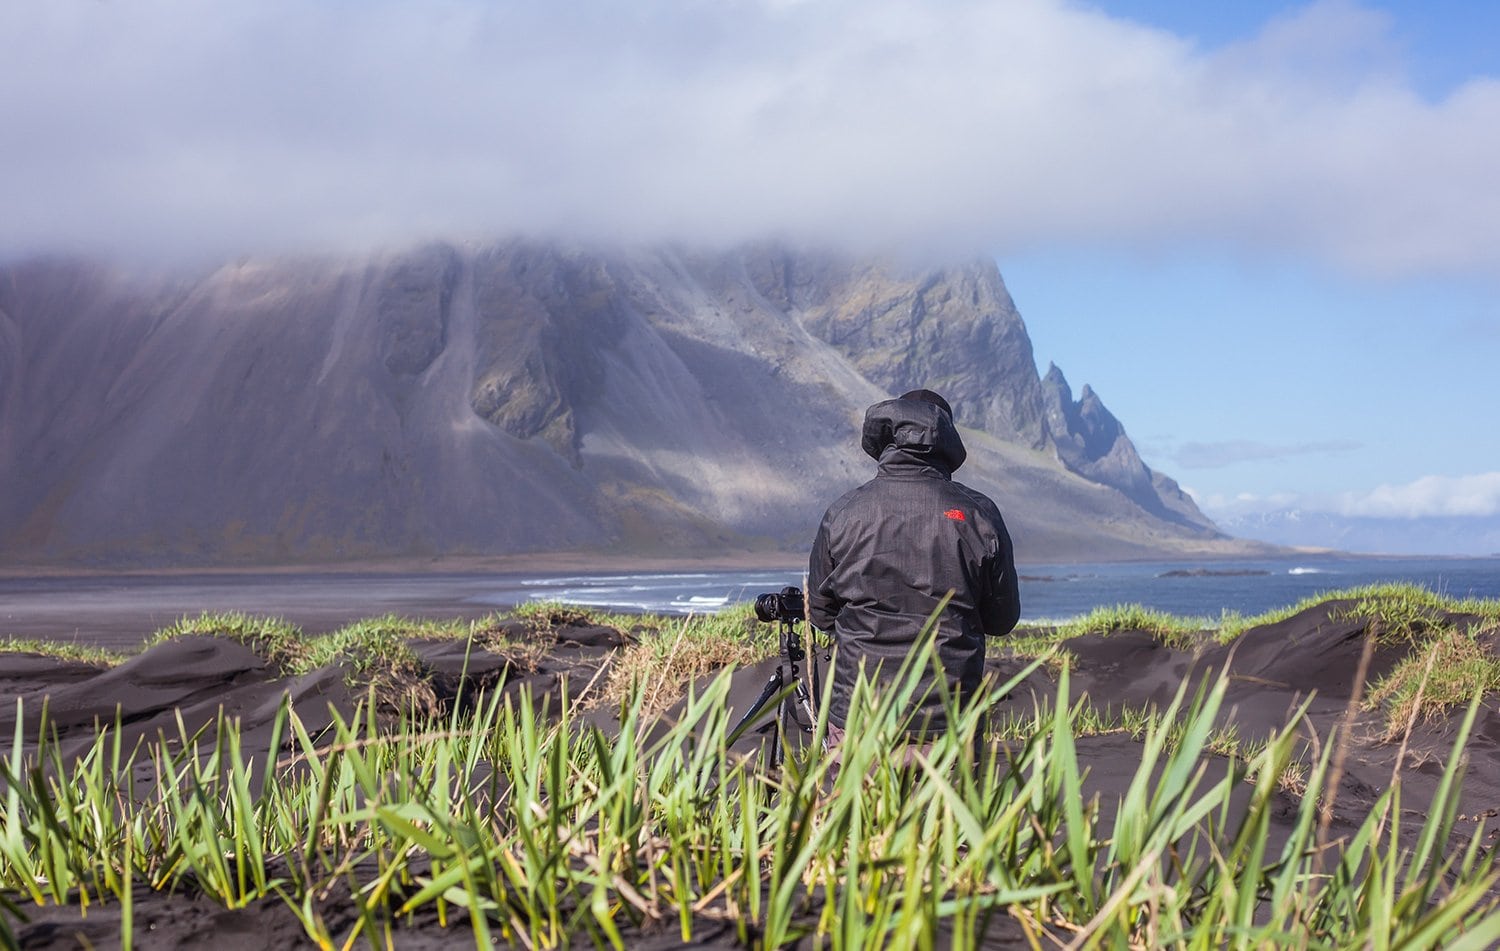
1272, 670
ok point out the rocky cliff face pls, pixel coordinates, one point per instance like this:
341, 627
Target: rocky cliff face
525, 397
1090, 441
954, 330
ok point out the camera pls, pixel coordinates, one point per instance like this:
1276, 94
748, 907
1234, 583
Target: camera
784, 605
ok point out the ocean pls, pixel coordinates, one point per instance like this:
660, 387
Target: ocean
1048, 592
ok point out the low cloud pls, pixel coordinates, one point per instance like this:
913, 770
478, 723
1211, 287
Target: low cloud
1462, 496
1216, 504
1217, 455
176, 127
1434, 496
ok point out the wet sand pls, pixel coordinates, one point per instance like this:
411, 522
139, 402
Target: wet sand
120, 611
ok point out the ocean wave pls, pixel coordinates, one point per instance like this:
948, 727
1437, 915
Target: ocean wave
698, 604
598, 580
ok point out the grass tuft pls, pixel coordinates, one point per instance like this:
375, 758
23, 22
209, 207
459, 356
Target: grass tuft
1435, 680
369, 647
63, 650
1402, 608
376, 655
546, 615
1167, 629
282, 644
666, 657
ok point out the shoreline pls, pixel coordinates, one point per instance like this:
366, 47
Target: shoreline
120, 610
458, 565
555, 562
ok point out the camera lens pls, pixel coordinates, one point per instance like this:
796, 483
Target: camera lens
784, 605
768, 607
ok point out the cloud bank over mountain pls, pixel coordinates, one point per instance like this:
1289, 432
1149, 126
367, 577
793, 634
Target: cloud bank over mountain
164, 127
529, 398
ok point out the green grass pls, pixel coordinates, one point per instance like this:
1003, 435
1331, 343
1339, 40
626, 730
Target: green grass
1445, 668
1435, 680
1446, 664
1401, 612
62, 650
667, 655
663, 655
545, 615
1166, 629
368, 647
538, 831
1406, 612
371, 649
1401, 607
279, 642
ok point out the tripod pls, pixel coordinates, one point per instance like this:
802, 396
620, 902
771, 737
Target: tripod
790, 692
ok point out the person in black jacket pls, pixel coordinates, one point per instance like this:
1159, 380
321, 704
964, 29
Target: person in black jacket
888, 552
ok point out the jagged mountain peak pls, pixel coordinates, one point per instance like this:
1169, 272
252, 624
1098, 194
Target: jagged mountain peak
1092, 442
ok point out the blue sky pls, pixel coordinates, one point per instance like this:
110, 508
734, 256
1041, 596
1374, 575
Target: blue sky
1267, 233
1264, 380
1273, 378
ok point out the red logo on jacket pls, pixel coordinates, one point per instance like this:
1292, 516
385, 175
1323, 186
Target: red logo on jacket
956, 514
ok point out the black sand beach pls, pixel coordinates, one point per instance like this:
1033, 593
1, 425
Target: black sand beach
1272, 669
121, 612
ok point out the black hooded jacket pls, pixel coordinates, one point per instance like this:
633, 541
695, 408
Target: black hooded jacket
887, 552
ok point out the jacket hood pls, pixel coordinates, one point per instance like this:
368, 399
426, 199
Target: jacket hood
912, 430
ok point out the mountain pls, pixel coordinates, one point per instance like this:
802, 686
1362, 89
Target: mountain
526, 397
1090, 441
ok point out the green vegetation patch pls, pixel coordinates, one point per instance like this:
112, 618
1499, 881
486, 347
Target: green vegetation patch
376, 655
281, 643
548, 615
670, 654
1167, 629
1444, 675
368, 647
1034, 643
1402, 609
493, 635
539, 832
1410, 613
375, 652
63, 650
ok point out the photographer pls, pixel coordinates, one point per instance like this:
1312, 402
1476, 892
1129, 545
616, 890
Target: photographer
888, 552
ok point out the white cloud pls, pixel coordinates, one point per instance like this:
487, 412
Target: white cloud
1434, 496
1462, 496
185, 126
1217, 455
1239, 503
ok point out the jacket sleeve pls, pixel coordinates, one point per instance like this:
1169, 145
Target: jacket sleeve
1001, 609
823, 605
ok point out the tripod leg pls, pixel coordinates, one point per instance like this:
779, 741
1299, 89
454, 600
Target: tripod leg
773, 686
777, 752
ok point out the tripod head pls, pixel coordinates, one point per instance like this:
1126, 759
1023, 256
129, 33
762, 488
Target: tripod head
787, 609
786, 605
